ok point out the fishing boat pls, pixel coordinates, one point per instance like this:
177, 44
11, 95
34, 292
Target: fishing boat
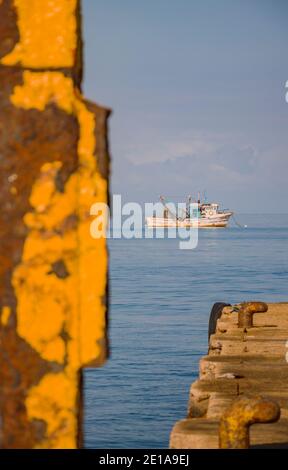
205, 215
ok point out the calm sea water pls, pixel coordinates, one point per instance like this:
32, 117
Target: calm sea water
161, 298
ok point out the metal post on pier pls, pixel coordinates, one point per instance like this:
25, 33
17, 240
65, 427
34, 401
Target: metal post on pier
53, 275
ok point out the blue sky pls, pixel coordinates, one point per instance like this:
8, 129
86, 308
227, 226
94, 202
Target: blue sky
197, 89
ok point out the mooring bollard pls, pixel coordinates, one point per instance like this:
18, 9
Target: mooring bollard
246, 312
53, 275
236, 421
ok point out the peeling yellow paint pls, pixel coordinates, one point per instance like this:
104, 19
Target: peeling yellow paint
5, 315
50, 308
59, 415
41, 88
47, 34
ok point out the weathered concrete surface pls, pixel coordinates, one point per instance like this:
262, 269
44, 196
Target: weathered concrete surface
250, 361
53, 275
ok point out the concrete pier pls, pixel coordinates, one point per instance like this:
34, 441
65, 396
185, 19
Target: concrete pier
241, 361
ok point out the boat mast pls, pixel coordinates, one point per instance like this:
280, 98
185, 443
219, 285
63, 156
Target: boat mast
188, 203
162, 199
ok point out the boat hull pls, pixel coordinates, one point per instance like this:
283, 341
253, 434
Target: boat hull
219, 221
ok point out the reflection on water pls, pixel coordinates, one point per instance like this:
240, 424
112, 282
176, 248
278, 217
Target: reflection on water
160, 303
